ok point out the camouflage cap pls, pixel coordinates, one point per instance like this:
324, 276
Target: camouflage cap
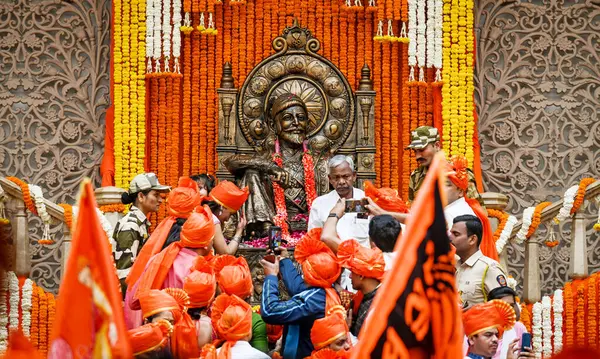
146, 181
422, 136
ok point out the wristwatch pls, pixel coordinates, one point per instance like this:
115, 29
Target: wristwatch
331, 215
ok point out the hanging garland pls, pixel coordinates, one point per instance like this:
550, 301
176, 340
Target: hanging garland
568, 201
536, 321
506, 223
26, 306
592, 311
546, 347
526, 316
569, 315
35, 320
580, 197
535, 221
40, 205
557, 306
581, 314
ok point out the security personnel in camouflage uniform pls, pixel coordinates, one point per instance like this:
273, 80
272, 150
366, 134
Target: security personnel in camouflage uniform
131, 232
425, 141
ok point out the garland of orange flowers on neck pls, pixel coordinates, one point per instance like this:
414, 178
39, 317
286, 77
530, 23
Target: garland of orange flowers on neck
309, 186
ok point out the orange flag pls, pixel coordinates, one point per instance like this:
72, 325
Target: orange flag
89, 315
416, 313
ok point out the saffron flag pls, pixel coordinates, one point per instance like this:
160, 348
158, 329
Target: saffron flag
89, 315
415, 313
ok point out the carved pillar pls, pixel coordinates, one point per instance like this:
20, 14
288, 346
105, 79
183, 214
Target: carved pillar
498, 201
531, 284
106, 196
226, 142
578, 262
65, 249
365, 128
20, 234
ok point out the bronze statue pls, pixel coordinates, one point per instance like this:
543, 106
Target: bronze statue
288, 117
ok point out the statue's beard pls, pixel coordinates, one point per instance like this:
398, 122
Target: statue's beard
293, 138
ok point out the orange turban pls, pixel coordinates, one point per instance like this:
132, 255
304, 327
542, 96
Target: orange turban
181, 201
386, 198
319, 264
233, 275
156, 301
184, 340
19, 347
329, 354
149, 337
327, 330
460, 178
200, 284
232, 320
230, 196
197, 232
363, 261
493, 314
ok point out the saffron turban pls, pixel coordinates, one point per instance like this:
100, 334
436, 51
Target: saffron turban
184, 340
181, 202
232, 320
233, 275
363, 261
200, 284
493, 314
386, 198
459, 176
197, 232
170, 299
230, 196
329, 354
149, 337
327, 330
319, 264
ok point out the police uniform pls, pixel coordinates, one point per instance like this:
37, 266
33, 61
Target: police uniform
476, 277
420, 138
131, 232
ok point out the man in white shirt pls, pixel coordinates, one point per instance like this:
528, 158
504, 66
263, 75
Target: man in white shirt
457, 205
341, 177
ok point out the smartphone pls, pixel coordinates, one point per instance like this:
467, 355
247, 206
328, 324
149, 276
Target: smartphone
356, 205
274, 237
269, 258
525, 341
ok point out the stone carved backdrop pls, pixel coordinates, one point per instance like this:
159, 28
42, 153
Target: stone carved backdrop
54, 91
538, 99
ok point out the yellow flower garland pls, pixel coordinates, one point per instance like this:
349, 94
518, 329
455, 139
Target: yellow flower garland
129, 89
457, 92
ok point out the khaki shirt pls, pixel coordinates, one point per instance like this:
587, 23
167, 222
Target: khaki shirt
418, 176
476, 277
131, 232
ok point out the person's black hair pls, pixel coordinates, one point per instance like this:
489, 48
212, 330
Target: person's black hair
195, 313
500, 292
473, 224
128, 198
215, 208
384, 231
208, 179
159, 353
174, 232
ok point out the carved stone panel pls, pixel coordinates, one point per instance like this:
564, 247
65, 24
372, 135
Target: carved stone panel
538, 99
54, 90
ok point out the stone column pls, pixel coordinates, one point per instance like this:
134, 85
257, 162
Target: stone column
20, 234
497, 201
106, 196
578, 265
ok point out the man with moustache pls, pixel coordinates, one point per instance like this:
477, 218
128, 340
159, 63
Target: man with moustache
348, 226
425, 141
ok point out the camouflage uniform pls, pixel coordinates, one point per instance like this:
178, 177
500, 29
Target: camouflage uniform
420, 138
130, 234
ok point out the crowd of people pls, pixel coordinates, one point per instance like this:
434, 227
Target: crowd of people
186, 295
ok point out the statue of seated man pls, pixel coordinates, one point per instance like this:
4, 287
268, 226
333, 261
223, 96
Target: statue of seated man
288, 117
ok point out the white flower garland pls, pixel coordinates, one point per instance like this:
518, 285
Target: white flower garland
568, 200
557, 305
166, 29
26, 306
526, 220
546, 326
38, 199
438, 24
412, 37
430, 32
13, 301
421, 29
149, 34
177, 33
157, 7
3, 314
103, 221
511, 283
536, 328
505, 234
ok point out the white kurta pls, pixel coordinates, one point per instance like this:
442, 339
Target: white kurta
242, 349
348, 227
457, 208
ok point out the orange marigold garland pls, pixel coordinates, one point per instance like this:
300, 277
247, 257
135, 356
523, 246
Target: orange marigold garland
108, 208
592, 312
526, 316
26, 194
537, 214
569, 329
195, 113
396, 123
43, 322
51, 311
580, 197
186, 100
309, 177
68, 214
502, 218
581, 314
281, 215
